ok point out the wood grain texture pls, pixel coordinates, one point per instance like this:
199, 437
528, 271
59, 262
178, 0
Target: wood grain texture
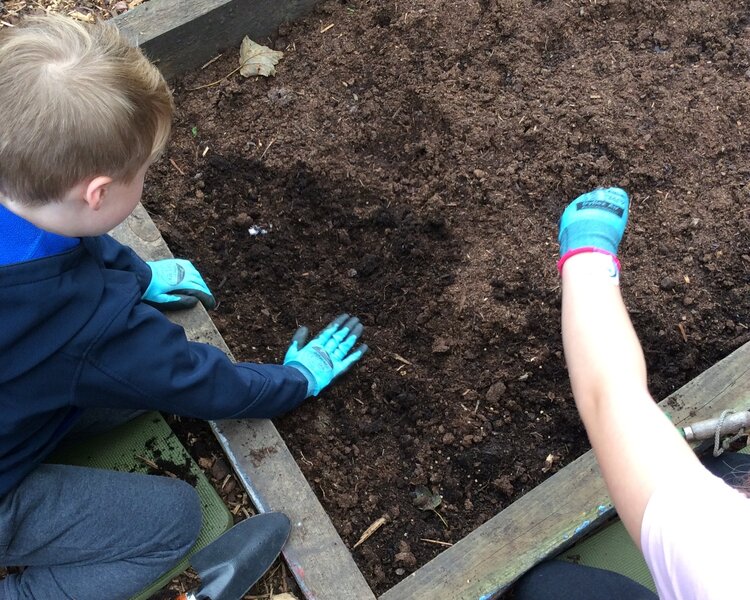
180, 35
559, 511
316, 555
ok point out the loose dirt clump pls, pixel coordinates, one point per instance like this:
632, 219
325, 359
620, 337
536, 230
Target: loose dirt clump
409, 165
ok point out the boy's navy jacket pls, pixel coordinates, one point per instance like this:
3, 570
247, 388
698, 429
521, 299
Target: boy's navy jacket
75, 334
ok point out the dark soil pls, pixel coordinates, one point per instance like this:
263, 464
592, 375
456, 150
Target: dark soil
409, 165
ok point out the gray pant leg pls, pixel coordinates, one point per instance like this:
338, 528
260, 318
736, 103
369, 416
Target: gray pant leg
91, 534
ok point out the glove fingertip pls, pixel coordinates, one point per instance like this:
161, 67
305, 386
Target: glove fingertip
300, 336
209, 302
338, 321
186, 301
354, 357
349, 326
206, 298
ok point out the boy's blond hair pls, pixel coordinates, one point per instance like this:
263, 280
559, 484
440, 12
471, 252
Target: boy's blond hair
76, 101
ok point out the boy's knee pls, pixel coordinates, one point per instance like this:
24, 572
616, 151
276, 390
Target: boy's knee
181, 509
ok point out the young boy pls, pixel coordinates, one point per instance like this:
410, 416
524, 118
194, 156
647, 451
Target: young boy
84, 114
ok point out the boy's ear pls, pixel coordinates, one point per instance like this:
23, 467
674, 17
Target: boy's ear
96, 190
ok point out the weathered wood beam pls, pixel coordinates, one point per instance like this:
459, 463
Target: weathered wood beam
559, 511
180, 35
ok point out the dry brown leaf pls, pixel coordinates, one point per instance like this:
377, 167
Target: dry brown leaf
257, 60
549, 462
85, 17
424, 499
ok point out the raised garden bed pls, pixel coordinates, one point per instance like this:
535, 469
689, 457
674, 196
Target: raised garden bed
413, 158
412, 161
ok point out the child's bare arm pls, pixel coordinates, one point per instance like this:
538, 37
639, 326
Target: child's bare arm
636, 445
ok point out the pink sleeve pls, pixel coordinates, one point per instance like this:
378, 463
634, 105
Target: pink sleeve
694, 537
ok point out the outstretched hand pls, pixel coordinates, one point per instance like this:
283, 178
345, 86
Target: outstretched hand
176, 284
328, 355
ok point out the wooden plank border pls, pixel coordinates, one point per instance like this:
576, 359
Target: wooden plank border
180, 35
558, 512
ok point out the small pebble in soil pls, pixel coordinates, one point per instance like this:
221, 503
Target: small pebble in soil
495, 392
667, 284
504, 485
405, 555
219, 470
280, 96
440, 346
255, 230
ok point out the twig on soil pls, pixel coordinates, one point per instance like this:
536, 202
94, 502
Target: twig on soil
370, 530
438, 542
400, 358
174, 164
284, 575
267, 147
681, 327
440, 517
213, 60
327, 27
461, 303
217, 82
153, 465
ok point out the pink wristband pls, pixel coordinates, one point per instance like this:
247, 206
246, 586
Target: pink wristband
584, 250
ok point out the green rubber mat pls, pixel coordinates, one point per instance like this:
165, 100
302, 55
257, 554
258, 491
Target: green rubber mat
148, 445
612, 549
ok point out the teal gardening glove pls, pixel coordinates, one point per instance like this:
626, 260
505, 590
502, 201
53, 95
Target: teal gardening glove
176, 284
594, 222
326, 356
